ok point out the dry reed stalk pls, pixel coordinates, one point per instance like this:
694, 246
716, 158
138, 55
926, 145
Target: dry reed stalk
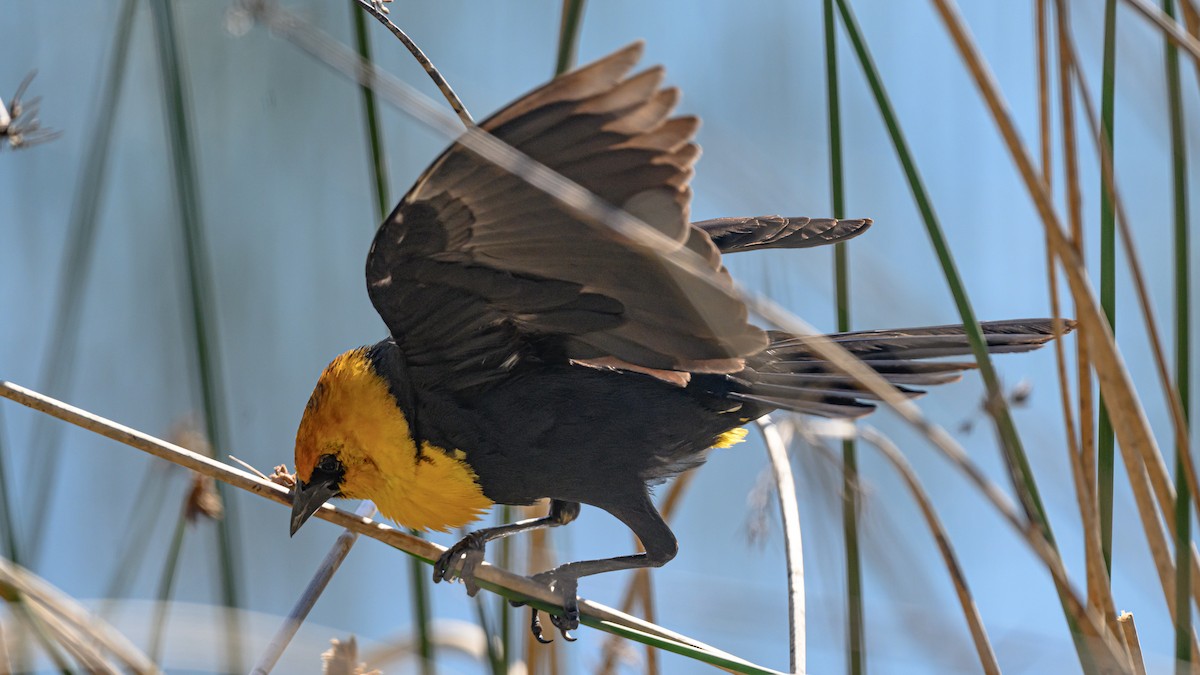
68, 618
1125, 621
1129, 419
789, 513
1087, 439
1083, 453
377, 10
983, 646
1169, 27
304, 604
1159, 475
1160, 480
1191, 18
76, 643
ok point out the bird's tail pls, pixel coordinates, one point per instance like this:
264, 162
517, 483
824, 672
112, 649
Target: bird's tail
790, 376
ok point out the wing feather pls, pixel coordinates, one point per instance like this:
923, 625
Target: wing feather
476, 272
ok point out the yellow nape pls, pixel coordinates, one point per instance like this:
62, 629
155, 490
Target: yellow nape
353, 416
731, 437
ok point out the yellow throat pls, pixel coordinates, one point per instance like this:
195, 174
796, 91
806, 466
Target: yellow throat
353, 416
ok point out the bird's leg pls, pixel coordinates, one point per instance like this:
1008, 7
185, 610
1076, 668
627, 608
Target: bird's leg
460, 560
657, 539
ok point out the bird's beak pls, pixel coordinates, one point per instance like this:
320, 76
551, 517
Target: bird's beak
307, 498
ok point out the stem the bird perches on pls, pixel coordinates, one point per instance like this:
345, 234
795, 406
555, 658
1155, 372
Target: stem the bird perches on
983, 646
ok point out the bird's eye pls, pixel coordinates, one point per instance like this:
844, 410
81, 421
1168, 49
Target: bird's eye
328, 464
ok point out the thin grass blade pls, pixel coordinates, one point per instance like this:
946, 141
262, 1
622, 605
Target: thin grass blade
379, 182
1179, 174
64, 333
1106, 439
200, 297
568, 35
983, 645
855, 617
785, 488
997, 404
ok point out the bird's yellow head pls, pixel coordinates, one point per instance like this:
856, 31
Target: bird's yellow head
354, 442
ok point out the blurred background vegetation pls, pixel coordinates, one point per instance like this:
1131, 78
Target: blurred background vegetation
192, 285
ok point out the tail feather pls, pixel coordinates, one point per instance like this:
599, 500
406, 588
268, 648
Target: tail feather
826, 406
898, 366
790, 376
928, 342
840, 380
816, 390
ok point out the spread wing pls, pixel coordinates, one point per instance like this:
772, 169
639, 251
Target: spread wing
476, 272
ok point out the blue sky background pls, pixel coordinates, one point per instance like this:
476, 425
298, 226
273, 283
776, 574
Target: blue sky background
288, 215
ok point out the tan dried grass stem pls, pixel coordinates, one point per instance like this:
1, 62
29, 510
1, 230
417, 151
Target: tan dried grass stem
304, 604
789, 512
1083, 453
1125, 621
1087, 441
983, 646
1160, 477
1169, 27
375, 10
66, 614
1129, 418
1191, 18
1160, 480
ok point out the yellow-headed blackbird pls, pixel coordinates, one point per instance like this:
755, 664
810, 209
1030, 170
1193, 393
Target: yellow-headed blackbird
531, 355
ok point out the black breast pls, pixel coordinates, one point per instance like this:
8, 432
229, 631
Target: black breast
578, 433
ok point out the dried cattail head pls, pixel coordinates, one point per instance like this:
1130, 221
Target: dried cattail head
187, 434
203, 500
280, 476
342, 659
19, 124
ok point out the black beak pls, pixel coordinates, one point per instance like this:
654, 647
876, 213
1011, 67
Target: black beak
307, 498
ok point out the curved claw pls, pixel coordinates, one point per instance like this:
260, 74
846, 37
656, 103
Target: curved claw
535, 627
569, 619
564, 627
460, 562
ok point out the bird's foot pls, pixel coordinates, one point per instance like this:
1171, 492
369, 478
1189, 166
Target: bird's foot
460, 561
567, 588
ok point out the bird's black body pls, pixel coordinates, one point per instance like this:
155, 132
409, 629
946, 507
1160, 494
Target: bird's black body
547, 357
556, 429
577, 433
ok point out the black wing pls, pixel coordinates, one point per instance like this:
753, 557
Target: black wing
475, 271
761, 232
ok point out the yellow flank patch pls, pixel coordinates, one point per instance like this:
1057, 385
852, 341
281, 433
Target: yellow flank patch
352, 415
731, 437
